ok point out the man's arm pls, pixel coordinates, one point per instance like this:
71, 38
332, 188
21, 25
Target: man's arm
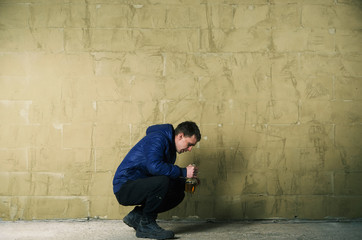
155, 153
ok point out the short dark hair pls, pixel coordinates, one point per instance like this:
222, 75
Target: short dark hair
189, 129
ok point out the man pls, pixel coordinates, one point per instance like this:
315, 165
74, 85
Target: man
148, 178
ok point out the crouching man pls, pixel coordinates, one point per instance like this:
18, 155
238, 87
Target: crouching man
148, 178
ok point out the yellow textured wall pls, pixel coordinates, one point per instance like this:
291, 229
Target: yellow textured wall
275, 86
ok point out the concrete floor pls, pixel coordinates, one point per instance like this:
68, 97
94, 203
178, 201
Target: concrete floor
187, 230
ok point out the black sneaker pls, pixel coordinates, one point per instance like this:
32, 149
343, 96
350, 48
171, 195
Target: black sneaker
133, 218
148, 228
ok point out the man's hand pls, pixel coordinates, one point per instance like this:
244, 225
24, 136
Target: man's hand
192, 171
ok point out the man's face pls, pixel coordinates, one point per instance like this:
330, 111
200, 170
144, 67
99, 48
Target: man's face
184, 144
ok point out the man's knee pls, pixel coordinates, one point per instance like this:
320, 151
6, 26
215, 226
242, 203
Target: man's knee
181, 196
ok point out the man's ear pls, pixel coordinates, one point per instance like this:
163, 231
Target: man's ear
180, 136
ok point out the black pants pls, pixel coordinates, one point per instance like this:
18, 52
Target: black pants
155, 194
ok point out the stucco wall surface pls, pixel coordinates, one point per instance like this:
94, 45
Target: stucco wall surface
275, 86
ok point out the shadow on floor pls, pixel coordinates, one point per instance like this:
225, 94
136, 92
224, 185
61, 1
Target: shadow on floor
197, 227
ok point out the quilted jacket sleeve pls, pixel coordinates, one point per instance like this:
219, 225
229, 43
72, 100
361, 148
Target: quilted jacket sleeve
159, 159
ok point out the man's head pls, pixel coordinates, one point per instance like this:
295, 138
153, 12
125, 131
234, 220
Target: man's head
187, 134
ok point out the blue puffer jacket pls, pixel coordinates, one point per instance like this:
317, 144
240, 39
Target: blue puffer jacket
153, 155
